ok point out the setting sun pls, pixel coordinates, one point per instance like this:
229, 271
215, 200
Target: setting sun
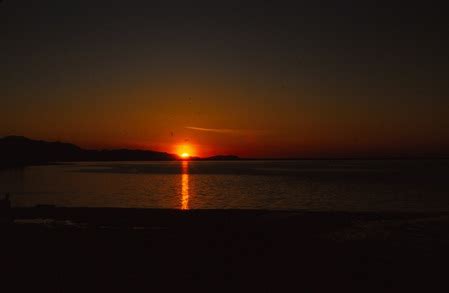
185, 151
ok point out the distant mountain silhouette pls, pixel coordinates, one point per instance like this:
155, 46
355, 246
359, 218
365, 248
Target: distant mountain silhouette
221, 158
19, 150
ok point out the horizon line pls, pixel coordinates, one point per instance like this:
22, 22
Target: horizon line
237, 157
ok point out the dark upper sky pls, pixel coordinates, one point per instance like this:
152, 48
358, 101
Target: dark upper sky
254, 78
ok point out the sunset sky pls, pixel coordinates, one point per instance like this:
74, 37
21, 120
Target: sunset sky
310, 79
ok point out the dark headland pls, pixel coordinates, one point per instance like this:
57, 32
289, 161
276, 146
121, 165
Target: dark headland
22, 151
144, 250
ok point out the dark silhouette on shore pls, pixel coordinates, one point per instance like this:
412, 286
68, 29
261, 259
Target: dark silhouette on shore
6, 215
6, 202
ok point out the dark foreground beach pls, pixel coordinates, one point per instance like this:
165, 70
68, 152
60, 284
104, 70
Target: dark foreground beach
49, 249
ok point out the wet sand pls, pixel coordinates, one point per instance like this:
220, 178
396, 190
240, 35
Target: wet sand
129, 250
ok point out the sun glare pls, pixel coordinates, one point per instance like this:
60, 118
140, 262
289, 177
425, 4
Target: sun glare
185, 151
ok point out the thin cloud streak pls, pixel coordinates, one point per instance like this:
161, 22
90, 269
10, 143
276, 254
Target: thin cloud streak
246, 132
219, 130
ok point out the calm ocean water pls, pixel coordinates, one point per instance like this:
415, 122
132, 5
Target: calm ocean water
337, 185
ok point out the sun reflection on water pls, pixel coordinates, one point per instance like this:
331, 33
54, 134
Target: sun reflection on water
185, 186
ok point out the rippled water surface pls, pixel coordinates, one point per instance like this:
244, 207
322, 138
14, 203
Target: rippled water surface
339, 185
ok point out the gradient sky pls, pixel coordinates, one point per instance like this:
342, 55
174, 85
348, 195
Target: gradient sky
251, 78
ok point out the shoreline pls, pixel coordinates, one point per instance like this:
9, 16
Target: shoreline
147, 215
19, 164
118, 249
